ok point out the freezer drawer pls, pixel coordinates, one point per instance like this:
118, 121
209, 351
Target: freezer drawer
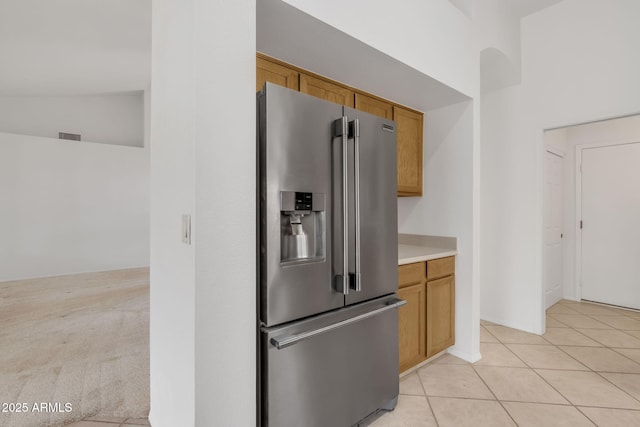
333, 369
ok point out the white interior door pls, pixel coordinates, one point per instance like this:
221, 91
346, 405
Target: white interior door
553, 229
610, 227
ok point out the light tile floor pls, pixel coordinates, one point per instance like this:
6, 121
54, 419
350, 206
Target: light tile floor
584, 371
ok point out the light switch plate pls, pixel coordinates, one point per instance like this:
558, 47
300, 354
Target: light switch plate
186, 229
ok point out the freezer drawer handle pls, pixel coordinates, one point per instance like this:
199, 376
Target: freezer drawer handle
285, 342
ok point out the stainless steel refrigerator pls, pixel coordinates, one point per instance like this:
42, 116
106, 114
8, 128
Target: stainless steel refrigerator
328, 332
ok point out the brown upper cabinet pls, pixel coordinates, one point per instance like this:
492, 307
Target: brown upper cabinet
408, 122
375, 106
326, 89
409, 140
267, 71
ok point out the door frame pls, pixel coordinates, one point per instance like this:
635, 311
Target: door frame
560, 153
578, 194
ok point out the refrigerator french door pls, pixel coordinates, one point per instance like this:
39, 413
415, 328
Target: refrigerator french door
328, 261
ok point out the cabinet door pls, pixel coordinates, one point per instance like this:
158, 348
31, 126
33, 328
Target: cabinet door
411, 326
440, 314
374, 106
267, 71
409, 140
326, 90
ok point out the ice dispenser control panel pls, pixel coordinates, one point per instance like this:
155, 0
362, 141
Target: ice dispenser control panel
291, 201
304, 201
302, 226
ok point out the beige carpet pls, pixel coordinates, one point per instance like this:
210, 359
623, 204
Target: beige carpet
81, 340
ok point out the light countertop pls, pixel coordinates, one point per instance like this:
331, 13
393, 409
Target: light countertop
416, 248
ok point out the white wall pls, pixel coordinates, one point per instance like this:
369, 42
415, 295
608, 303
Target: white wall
433, 37
497, 25
110, 118
203, 312
71, 207
497, 38
225, 159
579, 64
616, 130
465, 6
556, 140
446, 208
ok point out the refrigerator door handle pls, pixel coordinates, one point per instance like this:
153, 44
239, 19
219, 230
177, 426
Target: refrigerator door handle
356, 147
341, 128
290, 340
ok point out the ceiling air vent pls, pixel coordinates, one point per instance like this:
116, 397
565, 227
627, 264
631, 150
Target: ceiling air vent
70, 136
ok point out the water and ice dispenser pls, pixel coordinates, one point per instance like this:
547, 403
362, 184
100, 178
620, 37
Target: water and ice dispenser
302, 226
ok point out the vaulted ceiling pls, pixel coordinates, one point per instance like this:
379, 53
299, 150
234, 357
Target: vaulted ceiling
527, 7
520, 7
74, 46
96, 46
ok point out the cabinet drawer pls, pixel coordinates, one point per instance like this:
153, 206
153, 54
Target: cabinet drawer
411, 274
440, 267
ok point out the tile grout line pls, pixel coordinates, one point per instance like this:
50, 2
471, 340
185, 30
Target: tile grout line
493, 393
613, 327
488, 332
542, 378
433, 413
609, 306
624, 355
598, 373
593, 371
585, 415
589, 370
426, 396
586, 336
617, 386
603, 345
550, 385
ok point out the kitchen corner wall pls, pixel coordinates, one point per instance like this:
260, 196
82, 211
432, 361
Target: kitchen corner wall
447, 208
579, 64
203, 295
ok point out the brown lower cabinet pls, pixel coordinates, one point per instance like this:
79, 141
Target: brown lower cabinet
412, 318
426, 324
440, 315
